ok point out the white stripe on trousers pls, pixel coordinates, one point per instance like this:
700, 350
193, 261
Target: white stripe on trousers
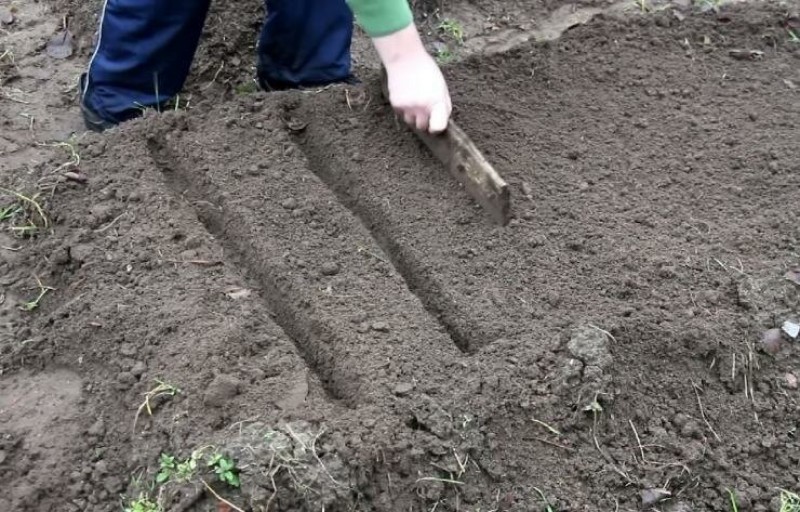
96, 49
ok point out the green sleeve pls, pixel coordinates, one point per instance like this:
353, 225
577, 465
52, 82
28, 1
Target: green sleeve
381, 17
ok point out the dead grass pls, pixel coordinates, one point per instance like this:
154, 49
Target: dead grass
24, 213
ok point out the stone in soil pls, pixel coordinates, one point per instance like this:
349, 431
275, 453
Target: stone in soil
590, 346
221, 390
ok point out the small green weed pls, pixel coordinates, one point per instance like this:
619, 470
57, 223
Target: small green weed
709, 5
172, 469
187, 468
244, 88
8, 212
793, 37
732, 496
790, 502
225, 469
142, 504
452, 29
166, 468
444, 55
34, 304
547, 507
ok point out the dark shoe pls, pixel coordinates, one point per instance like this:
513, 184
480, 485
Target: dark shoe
92, 119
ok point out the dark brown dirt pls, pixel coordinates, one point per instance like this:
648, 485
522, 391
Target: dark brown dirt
347, 325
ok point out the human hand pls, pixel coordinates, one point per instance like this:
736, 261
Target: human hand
417, 89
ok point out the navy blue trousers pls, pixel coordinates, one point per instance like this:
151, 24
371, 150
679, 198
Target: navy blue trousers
145, 49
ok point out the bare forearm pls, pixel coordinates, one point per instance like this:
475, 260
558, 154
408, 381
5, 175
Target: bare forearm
417, 89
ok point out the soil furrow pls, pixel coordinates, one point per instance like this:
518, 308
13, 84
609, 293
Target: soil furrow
310, 338
365, 204
327, 282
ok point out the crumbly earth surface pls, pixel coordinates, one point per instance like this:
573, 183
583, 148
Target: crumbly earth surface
290, 283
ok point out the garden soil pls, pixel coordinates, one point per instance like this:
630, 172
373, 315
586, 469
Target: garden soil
289, 281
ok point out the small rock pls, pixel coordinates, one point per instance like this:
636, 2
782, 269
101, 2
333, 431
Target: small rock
108, 193
138, 369
97, 429
537, 240
2, 456
100, 214
527, 190
221, 390
403, 389
127, 349
680, 420
60, 45
290, 204
96, 150
590, 346
61, 256
792, 329
125, 379
662, 21
691, 430
330, 268
113, 485
791, 381
772, 341
359, 317
380, 326
101, 467
80, 253
651, 497
6, 16
592, 373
